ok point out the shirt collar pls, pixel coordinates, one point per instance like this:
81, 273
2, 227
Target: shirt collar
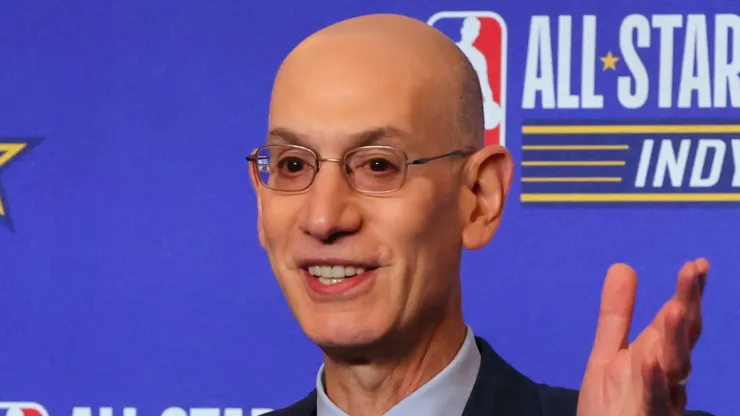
446, 394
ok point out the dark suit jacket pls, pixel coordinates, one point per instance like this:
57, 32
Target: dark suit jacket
499, 390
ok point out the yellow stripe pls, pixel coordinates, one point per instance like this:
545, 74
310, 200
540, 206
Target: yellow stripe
634, 129
725, 197
574, 163
572, 179
576, 147
2, 209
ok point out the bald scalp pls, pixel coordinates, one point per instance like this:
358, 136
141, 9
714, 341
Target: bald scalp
453, 82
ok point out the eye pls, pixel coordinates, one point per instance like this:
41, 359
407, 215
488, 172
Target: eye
379, 165
376, 162
292, 164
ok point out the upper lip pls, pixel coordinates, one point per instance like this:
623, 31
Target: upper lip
306, 263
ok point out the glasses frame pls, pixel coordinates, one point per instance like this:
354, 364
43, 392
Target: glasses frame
345, 168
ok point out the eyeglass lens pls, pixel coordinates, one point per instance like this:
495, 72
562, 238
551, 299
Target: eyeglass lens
368, 169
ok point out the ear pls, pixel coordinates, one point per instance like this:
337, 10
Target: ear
258, 190
487, 175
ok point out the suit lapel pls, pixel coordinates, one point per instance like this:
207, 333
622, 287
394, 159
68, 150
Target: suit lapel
500, 390
305, 407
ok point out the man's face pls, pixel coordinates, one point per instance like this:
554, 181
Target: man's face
407, 241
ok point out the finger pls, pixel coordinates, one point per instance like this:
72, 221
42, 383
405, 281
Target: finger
700, 269
696, 323
691, 279
656, 394
695, 319
679, 399
686, 284
615, 315
703, 265
674, 353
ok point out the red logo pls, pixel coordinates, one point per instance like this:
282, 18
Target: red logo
482, 37
22, 409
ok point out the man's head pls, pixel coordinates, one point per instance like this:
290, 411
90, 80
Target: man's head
381, 80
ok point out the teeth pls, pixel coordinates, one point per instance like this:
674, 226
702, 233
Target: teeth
327, 282
334, 274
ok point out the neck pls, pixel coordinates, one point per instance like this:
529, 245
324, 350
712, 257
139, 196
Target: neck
373, 386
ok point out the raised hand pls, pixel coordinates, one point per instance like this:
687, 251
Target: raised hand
647, 377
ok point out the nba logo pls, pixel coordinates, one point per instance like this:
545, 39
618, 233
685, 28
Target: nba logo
482, 37
22, 409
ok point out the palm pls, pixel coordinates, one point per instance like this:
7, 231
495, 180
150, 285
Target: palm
644, 377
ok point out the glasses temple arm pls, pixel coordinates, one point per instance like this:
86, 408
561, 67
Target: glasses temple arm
424, 160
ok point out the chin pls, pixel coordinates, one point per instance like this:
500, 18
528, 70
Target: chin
345, 330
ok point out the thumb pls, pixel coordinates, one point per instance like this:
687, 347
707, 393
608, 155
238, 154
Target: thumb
615, 314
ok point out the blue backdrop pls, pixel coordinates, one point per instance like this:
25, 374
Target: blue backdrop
130, 273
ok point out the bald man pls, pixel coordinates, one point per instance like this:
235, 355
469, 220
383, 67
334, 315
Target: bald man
372, 181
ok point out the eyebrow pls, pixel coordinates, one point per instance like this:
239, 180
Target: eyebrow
283, 135
365, 138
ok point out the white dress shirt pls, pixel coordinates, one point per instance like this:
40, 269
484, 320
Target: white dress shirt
444, 395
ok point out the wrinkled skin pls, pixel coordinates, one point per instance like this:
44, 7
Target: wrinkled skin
644, 377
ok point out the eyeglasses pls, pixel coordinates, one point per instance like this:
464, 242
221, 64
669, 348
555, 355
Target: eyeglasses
369, 169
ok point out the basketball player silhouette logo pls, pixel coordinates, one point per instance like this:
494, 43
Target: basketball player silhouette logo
468, 35
481, 36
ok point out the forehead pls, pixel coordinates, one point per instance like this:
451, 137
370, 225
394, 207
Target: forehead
337, 93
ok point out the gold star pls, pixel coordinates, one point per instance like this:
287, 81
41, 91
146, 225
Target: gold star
7, 152
610, 62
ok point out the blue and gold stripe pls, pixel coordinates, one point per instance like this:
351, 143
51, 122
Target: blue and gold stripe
598, 162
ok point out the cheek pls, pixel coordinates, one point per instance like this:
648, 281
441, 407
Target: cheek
277, 219
423, 217
424, 236
422, 230
277, 225
402, 224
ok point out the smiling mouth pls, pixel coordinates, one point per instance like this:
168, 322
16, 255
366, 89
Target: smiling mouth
330, 275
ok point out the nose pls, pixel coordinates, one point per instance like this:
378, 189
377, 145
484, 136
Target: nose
331, 211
